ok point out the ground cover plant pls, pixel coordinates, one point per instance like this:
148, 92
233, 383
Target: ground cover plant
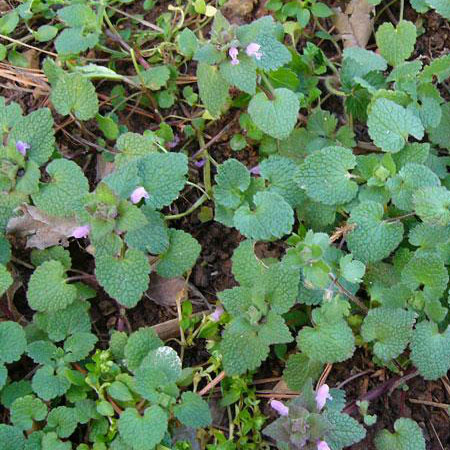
224, 225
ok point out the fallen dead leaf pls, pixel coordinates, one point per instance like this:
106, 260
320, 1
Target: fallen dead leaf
355, 24
40, 229
103, 167
236, 10
164, 291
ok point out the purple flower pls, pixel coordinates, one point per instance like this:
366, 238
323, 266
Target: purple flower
279, 407
322, 395
215, 316
233, 52
322, 445
253, 50
255, 170
81, 232
138, 194
22, 147
174, 143
200, 163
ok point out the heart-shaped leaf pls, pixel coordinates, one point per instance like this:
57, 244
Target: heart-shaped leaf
276, 117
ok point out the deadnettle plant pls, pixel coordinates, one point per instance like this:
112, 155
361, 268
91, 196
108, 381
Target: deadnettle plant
138, 194
22, 147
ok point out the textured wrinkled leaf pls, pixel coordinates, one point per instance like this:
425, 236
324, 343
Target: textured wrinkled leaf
75, 94
213, 88
272, 217
133, 146
181, 255
48, 384
163, 177
6, 279
325, 177
48, 290
247, 268
242, 75
299, 368
432, 205
391, 329
232, 180
390, 125
12, 341
11, 438
396, 44
372, 238
155, 78
274, 53
143, 432
442, 7
275, 117
79, 345
441, 134
407, 436
65, 194
124, 278
25, 410
345, 430
139, 344
62, 420
193, 411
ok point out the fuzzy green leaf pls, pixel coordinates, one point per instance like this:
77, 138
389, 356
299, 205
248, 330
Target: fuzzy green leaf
391, 329
143, 432
48, 384
133, 146
62, 420
181, 255
273, 53
390, 125
372, 239
155, 78
48, 290
6, 279
75, 94
345, 430
193, 411
213, 88
432, 205
275, 117
247, 268
407, 436
138, 346
65, 194
232, 179
11, 438
299, 368
12, 342
325, 177
242, 75
396, 44
124, 278
27, 409
441, 134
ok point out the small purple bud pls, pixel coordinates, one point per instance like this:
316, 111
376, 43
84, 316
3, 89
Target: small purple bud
322, 395
138, 194
22, 147
253, 50
174, 143
322, 445
255, 170
233, 52
279, 407
200, 163
217, 314
81, 232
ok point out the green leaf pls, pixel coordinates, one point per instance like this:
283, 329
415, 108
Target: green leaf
299, 369
124, 278
427, 272
246, 268
36, 129
441, 134
442, 7
27, 409
64, 322
430, 350
65, 194
271, 217
325, 176
273, 53
48, 290
166, 360
163, 177
213, 88
119, 391
396, 44
181, 255
74, 41
77, 15
232, 180
11, 438
327, 342
108, 126
391, 329
155, 78
407, 436
372, 239
406, 183
275, 117
63, 420
432, 205
188, 43
50, 441
345, 430
15, 390
133, 146
143, 432
390, 125
351, 269
42, 352
75, 94
242, 75
138, 346
193, 411
57, 253
45, 33
6, 280
48, 384
78, 346
12, 342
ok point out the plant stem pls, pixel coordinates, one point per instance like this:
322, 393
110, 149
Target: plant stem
333, 90
402, 9
198, 203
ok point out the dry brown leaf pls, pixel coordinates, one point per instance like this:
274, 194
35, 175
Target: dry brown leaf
164, 291
103, 167
236, 10
355, 24
40, 229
